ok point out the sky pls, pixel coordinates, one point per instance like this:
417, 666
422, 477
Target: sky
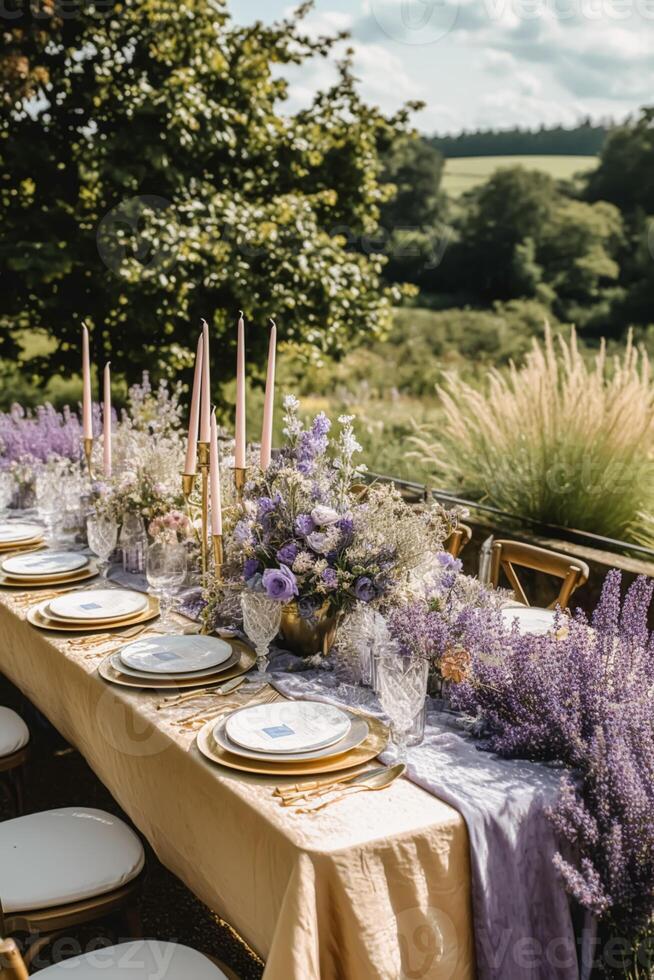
484, 63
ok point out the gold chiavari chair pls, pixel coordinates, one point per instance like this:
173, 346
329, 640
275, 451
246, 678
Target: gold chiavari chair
14, 750
142, 960
63, 868
507, 555
458, 539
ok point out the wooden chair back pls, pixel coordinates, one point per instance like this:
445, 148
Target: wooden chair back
12, 966
458, 539
507, 554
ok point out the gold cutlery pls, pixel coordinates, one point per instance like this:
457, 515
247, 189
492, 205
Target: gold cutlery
201, 692
303, 790
371, 781
203, 715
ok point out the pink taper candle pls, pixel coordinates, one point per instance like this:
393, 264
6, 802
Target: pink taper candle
239, 451
205, 402
214, 480
87, 405
190, 465
106, 420
269, 402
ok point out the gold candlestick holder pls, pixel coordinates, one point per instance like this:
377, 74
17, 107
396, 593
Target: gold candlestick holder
203, 463
188, 485
240, 479
88, 455
218, 555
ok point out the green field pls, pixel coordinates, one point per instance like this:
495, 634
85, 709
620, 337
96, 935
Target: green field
464, 173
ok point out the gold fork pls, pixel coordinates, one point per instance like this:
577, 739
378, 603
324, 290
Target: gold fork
200, 717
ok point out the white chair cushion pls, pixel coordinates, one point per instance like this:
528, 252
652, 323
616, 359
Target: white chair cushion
14, 733
60, 856
143, 960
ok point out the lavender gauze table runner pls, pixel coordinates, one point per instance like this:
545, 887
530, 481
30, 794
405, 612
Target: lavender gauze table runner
522, 920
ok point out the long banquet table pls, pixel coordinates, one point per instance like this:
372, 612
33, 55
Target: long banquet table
376, 886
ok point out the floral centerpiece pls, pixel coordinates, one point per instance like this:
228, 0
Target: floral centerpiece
445, 617
311, 538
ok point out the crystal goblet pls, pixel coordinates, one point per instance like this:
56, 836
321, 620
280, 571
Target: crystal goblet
165, 570
261, 621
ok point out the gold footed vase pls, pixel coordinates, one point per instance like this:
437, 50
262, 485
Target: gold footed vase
306, 637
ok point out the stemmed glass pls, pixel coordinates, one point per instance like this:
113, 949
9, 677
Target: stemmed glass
102, 533
262, 618
402, 692
165, 570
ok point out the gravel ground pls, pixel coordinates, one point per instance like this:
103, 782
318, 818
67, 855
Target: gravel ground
56, 776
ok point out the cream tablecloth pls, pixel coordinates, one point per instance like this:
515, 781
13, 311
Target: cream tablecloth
373, 887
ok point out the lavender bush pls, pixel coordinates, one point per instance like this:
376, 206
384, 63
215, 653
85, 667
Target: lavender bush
585, 698
39, 436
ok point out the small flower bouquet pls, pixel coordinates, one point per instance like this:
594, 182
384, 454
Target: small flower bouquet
310, 538
449, 617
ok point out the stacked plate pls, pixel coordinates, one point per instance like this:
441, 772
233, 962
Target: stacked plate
177, 661
93, 609
39, 568
15, 535
291, 737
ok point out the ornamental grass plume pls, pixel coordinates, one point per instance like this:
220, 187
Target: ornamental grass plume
585, 699
557, 439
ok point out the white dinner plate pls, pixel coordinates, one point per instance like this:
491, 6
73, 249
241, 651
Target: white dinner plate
98, 604
357, 734
39, 564
287, 726
176, 654
15, 532
531, 620
143, 675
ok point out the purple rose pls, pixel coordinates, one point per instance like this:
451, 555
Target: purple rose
449, 562
250, 568
288, 553
280, 583
265, 506
330, 578
322, 516
319, 541
304, 524
364, 589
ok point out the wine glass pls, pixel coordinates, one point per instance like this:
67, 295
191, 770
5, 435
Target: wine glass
402, 692
262, 618
165, 570
102, 533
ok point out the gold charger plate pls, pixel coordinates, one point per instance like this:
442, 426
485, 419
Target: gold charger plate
247, 662
375, 743
37, 617
19, 546
82, 575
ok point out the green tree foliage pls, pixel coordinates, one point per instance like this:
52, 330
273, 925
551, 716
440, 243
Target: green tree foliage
521, 236
148, 177
625, 177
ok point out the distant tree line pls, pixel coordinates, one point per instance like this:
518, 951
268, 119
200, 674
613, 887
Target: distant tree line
585, 139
